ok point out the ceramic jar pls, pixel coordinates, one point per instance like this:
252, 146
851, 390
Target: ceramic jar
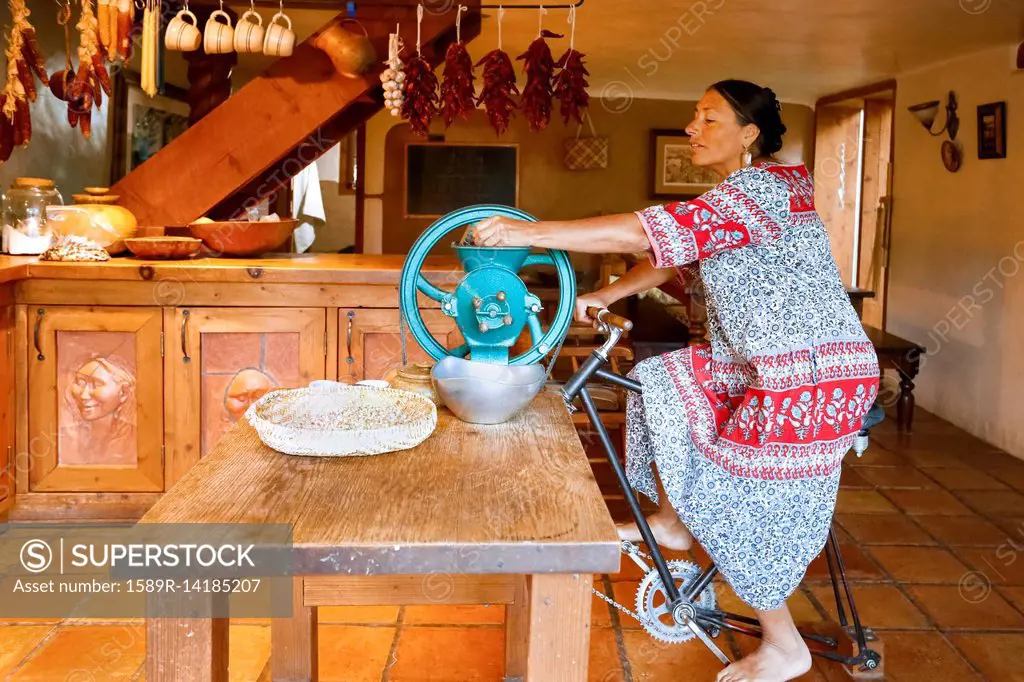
352, 53
108, 224
415, 378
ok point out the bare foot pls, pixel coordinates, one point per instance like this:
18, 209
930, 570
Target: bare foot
668, 530
770, 663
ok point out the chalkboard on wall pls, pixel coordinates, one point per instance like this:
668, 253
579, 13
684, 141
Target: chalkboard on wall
440, 178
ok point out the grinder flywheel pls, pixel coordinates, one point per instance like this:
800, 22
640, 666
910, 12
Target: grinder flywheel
491, 304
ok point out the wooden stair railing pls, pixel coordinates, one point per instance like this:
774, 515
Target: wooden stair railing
252, 144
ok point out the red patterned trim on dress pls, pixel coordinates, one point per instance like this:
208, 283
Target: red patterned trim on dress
832, 422
670, 246
828, 361
800, 183
735, 205
681, 233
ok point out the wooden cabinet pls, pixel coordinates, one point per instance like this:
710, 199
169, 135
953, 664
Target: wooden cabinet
370, 344
95, 399
220, 360
6, 407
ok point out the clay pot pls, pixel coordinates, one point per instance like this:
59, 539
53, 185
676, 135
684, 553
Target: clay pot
415, 378
351, 53
108, 224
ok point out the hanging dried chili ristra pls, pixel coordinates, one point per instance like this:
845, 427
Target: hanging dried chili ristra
571, 81
33, 55
539, 67
82, 94
499, 84
419, 104
24, 50
457, 85
6, 133
19, 79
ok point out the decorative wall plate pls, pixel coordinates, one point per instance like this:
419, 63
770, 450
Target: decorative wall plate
342, 420
951, 157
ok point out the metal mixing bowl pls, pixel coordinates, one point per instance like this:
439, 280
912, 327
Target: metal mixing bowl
485, 393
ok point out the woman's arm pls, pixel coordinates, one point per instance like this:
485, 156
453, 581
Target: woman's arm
620, 233
641, 277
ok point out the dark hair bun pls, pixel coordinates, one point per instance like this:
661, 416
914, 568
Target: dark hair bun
755, 104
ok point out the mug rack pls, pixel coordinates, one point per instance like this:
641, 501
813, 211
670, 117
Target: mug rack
351, 6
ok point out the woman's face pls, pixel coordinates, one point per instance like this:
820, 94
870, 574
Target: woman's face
247, 387
717, 139
96, 392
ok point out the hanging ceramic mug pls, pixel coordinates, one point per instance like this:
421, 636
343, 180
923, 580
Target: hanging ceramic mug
219, 37
280, 40
182, 35
249, 33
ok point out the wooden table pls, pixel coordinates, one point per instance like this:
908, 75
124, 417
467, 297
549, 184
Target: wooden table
905, 357
507, 514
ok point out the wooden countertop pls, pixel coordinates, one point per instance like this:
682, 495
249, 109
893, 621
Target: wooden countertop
281, 268
518, 497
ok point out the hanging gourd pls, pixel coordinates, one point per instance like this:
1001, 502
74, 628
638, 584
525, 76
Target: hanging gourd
571, 81
419, 106
540, 68
499, 84
457, 92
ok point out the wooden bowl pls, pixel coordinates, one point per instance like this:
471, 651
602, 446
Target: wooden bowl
163, 247
242, 237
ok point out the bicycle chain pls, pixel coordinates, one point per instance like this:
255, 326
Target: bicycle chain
627, 548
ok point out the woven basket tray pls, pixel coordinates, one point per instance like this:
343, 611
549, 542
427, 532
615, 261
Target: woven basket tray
341, 420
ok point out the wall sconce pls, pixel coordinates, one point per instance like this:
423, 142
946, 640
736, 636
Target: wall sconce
926, 112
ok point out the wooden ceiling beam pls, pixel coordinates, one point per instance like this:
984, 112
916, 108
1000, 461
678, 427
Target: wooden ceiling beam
287, 109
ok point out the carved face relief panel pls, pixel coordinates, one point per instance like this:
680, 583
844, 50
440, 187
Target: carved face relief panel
96, 377
238, 369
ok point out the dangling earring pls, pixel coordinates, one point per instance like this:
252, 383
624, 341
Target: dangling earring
747, 157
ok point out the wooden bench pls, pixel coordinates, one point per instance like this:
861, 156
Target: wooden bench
905, 357
507, 514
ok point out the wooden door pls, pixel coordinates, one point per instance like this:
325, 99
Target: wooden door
95, 390
836, 190
6, 407
370, 345
876, 213
221, 360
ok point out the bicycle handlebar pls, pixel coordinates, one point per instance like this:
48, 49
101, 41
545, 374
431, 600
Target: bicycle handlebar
609, 318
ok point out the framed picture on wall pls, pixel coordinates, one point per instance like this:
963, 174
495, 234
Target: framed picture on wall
992, 131
441, 177
142, 125
672, 173
152, 122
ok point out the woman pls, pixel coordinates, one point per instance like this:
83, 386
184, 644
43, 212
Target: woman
746, 433
101, 405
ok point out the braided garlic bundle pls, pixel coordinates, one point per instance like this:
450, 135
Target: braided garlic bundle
393, 77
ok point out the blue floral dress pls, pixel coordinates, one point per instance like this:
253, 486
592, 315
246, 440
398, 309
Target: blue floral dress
748, 431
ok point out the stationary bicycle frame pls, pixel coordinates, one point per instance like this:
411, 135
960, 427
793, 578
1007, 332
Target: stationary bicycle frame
704, 623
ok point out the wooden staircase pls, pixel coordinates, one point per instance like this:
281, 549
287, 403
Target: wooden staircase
252, 144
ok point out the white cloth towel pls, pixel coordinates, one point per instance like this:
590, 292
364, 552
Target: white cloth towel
307, 206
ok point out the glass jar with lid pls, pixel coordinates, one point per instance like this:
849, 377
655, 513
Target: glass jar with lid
25, 228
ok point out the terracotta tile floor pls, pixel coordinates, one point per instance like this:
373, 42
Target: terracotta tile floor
931, 526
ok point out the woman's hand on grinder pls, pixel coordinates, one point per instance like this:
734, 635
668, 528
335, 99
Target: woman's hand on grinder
501, 231
592, 300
